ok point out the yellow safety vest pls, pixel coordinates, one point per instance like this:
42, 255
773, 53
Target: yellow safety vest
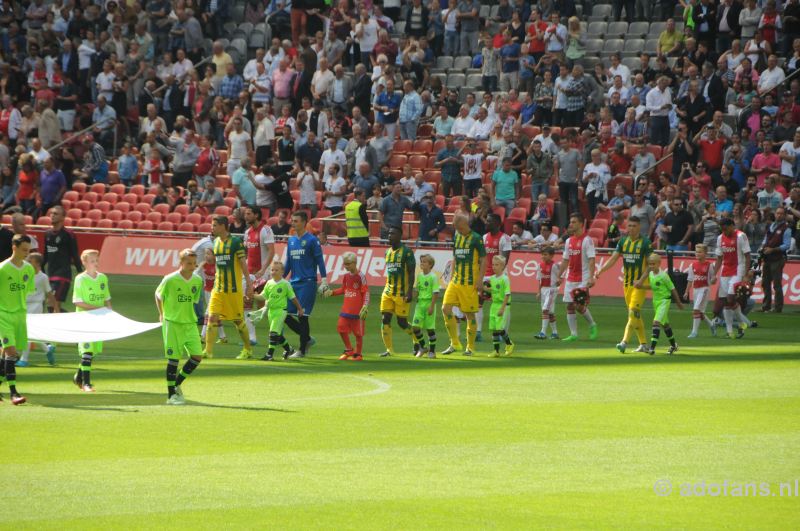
355, 227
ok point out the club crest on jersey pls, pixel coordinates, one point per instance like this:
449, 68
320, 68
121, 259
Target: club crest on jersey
194, 289
24, 278
302, 243
86, 345
169, 351
5, 341
280, 290
102, 286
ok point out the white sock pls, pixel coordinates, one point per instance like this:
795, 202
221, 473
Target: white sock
741, 316
251, 328
545, 322
554, 326
572, 322
588, 316
221, 331
728, 313
708, 321
26, 353
479, 318
203, 331
695, 325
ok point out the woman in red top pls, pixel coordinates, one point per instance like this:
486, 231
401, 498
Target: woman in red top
28, 183
208, 161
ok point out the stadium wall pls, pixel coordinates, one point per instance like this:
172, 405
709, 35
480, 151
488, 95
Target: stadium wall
148, 255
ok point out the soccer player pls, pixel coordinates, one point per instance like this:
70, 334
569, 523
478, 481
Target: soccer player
469, 266
91, 292
497, 243
277, 294
303, 259
549, 277
60, 254
260, 244
700, 273
176, 296
227, 302
733, 261
425, 310
42, 294
500, 291
399, 290
578, 265
664, 292
354, 308
18, 282
634, 250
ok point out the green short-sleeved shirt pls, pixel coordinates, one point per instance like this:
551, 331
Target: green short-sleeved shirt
16, 283
90, 290
427, 285
398, 264
633, 253
277, 294
178, 297
662, 286
500, 287
228, 254
467, 252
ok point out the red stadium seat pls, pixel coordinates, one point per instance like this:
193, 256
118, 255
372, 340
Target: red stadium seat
144, 208
518, 213
65, 204
418, 162
92, 197
231, 202
154, 217
161, 208
72, 195
173, 218
85, 223
425, 130
98, 188
103, 206
402, 147
500, 211
83, 205
75, 213
144, 225
135, 216
603, 214
137, 189
166, 226
422, 147
118, 189
122, 206
147, 198
599, 223
525, 203
130, 198
95, 215
111, 197
553, 194
115, 215
222, 210
398, 160
438, 146
186, 227
204, 227
44, 220
79, 187
194, 218
183, 210
105, 224
125, 224
69, 222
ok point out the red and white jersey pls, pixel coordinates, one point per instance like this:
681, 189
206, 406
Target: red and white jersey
734, 251
578, 250
209, 272
700, 273
548, 274
495, 244
356, 294
256, 241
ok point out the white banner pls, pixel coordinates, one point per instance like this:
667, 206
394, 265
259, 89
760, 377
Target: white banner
84, 327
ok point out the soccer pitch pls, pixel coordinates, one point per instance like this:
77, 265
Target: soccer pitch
564, 436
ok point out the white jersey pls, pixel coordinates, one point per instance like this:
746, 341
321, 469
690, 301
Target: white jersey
472, 166
734, 251
37, 299
578, 253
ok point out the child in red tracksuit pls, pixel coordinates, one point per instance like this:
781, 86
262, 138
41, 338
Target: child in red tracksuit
354, 308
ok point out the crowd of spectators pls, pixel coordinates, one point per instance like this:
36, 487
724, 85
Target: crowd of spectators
333, 102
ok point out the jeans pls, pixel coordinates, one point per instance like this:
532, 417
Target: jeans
773, 279
469, 43
508, 204
408, 130
568, 193
509, 80
391, 131
539, 188
451, 43
489, 83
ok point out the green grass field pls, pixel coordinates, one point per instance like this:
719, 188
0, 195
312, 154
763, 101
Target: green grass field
557, 436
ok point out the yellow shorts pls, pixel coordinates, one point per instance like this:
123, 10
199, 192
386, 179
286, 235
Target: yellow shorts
464, 297
395, 304
634, 298
228, 306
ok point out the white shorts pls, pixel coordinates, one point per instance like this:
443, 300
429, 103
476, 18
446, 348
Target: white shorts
568, 287
700, 299
458, 313
726, 285
548, 296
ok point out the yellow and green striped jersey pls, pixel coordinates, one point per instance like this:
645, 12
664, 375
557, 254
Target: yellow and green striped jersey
228, 254
399, 263
468, 251
634, 253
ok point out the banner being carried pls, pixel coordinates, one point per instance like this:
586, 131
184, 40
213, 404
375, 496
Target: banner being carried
84, 327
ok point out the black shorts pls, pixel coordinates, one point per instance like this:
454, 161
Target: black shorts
60, 287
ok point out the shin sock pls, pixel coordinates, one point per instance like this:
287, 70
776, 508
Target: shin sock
172, 373
188, 368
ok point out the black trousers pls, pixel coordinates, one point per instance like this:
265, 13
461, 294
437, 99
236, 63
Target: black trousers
659, 130
773, 280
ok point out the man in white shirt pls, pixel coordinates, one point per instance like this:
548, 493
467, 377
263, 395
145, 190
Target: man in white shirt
322, 81
618, 88
659, 103
771, 77
462, 125
619, 69
546, 139
239, 145
182, 66
482, 127
263, 137
261, 85
273, 56
330, 156
249, 73
555, 36
788, 153
335, 191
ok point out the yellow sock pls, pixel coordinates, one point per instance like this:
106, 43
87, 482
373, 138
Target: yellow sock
410, 333
629, 326
388, 341
451, 324
472, 332
638, 325
211, 337
243, 333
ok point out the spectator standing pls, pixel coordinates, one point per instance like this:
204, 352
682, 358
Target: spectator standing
409, 112
448, 160
678, 226
507, 186
595, 177
392, 208
539, 168
776, 245
469, 20
568, 165
431, 218
387, 106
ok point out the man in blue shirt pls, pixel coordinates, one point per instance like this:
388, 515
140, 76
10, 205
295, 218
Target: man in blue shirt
723, 204
509, 55
431, 218
410, 111
387, 107
231, 85
303, 259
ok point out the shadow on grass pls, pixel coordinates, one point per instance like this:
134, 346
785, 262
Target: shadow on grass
123, 402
